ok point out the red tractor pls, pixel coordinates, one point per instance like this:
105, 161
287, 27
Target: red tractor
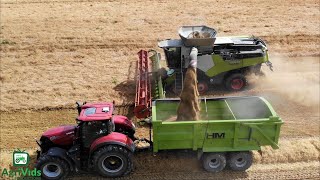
101, 141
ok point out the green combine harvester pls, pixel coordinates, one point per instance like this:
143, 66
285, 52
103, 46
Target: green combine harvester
221, 60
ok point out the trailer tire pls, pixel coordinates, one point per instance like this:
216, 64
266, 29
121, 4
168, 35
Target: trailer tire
52, 167
113, 161
235, 82
239, 161
214, 162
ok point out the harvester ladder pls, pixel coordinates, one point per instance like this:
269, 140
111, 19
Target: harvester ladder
178, 82
179, 78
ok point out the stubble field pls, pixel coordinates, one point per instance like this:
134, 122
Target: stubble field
54, 53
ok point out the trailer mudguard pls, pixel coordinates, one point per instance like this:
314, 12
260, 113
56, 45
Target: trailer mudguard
113, 138
61, 153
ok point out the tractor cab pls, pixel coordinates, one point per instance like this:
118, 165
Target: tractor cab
96, 111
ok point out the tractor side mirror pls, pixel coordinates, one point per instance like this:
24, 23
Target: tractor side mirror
79, 105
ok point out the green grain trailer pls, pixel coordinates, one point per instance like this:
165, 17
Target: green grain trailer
229, 129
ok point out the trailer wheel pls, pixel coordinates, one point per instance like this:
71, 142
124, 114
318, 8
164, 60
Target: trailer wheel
239, 161
214, 162
52, 167
113, 161
235, 82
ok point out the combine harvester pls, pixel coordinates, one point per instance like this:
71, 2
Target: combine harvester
221, 60
228, 130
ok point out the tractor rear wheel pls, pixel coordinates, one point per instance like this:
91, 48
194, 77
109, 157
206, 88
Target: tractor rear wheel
235, 82
113, 161
239, 161
214, 162
52, 167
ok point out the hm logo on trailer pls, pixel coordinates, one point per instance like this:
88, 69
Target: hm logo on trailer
216, 135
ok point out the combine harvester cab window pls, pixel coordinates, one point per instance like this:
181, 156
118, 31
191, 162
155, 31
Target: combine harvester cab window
173, 57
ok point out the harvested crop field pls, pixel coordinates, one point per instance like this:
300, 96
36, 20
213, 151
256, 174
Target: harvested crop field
54, 53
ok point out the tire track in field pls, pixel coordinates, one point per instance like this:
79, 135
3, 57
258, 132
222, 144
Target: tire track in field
261, 171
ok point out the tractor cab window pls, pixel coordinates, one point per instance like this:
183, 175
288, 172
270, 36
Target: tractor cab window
173, 57
90, 111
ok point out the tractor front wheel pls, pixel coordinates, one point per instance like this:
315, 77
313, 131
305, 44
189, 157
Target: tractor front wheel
113, 161
239, 161
52, 167
235, 82
214, 162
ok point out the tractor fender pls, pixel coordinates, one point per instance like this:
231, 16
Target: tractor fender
113, 138
123, 122
61, 153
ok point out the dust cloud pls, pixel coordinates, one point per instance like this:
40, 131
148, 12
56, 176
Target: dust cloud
295, 78
291, 150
